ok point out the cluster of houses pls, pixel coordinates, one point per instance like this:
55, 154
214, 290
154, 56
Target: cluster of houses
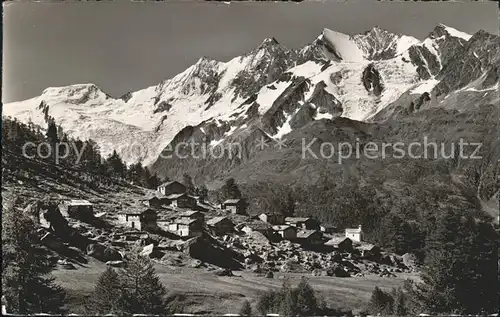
177, 212
174, 211
309, 231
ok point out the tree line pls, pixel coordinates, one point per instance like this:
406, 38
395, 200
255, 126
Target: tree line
99, 168
460, 274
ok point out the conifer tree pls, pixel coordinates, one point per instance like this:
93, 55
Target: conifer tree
188, 182
202, 192
107, 295
52, 134
26, 281
288, 301
307, 304
115, 164
143, 293
444, 266
267, 302
230, 190
380, 302
400, 306
246, 309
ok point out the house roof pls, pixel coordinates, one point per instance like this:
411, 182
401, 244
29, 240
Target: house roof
137, 211
80, 203
169, 183
204, 206
366, 247
304, 234
352, 230
271, 214
165, 219
329, 226
216, 220
336, 241
297, 219
232, 201
184, 221
283, 227
174, 196
189, 213
258, 225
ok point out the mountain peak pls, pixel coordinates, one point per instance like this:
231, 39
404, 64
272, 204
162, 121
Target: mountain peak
444, 30
268, 42
205, 60
71, 89
79, 93
377, 30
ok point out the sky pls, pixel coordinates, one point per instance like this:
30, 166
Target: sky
124, 46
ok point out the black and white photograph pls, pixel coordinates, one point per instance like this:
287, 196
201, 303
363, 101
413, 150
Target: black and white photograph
250, 158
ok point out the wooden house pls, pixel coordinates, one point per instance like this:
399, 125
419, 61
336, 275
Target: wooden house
302, 223
310, 237
274, 219
369, 250
234, 206
156, 202
80, 209
221, 225
258, 226
328, 229
286, 232
193, 214
182, 201
186, 227
341, 244
170, 188
140, 219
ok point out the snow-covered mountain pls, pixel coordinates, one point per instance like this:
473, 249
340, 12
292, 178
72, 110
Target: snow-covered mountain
273, 90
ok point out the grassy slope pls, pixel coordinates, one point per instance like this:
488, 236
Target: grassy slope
205, 292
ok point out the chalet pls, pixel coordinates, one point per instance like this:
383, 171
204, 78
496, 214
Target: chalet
274, 219
354, 234
163, 222
369, 250
182, 201
186, 227
286, 232
328, 229
193, 214
170, 188
304, 223
156, 202
203, 207
235, 206
310, 237
262, 227
221, 225
140, 219
80, 209
341, 244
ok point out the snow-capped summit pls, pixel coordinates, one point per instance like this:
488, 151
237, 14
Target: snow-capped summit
379, 43
76, 94
271, 90
343, 46
453, 32
269, 41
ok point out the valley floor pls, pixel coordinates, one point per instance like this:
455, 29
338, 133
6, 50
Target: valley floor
204, 292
